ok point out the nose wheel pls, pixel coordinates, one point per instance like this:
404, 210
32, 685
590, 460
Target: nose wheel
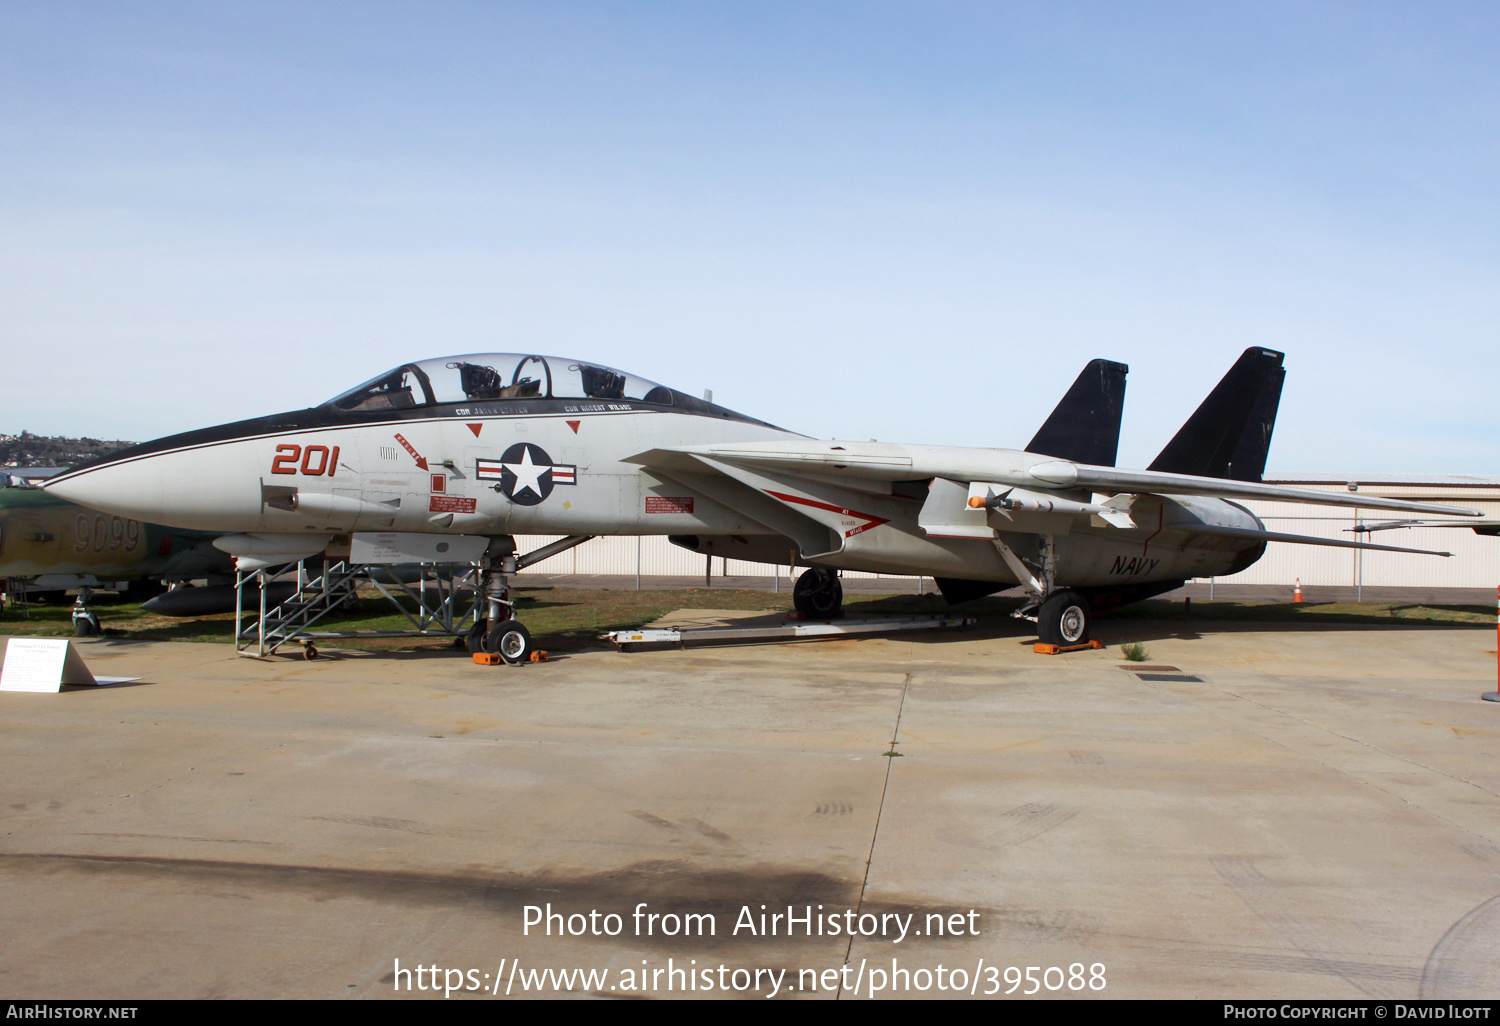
511, 640
508, 639
500, 633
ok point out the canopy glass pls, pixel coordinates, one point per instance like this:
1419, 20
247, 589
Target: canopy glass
485, 377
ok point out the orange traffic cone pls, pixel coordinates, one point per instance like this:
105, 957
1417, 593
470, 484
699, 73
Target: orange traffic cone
1297, 591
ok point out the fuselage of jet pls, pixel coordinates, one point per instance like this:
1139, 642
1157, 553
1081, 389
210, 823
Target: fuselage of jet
551, 463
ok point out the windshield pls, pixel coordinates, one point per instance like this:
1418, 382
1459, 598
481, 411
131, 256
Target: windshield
489, 376
393, 390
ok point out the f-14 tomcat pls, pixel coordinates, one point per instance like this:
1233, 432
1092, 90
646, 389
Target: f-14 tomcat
495, 445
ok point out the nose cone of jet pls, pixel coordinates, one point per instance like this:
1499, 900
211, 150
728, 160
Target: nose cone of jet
131, 489
211, 488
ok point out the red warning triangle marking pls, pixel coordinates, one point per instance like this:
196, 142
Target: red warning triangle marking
475, 428
574, 425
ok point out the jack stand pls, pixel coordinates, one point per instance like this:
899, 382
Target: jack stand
85, 623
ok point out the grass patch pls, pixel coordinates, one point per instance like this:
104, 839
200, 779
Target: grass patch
1135, 652
560, 619
570, 619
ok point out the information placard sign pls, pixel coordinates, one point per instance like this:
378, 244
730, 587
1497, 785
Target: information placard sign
46, 664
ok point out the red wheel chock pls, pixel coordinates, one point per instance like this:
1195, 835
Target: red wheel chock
1041, 648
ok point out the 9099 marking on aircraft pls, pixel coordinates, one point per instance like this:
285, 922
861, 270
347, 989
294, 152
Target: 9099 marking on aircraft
504, 433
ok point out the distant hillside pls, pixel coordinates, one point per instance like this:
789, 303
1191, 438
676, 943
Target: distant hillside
28, 450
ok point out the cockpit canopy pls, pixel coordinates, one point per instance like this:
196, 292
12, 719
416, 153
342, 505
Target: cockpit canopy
484, 377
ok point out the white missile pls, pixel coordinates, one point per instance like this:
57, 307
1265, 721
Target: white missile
1004, 500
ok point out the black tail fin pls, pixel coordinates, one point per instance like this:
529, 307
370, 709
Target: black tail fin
1085, 427
1229, 435
1248, 462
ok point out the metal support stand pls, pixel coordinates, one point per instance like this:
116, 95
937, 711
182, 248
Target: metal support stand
15, 594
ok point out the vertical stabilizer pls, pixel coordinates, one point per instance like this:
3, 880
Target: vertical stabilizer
1085, 426
1229, 434
1248, 463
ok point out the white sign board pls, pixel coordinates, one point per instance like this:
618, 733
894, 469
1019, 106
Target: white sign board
46, 664
396, 547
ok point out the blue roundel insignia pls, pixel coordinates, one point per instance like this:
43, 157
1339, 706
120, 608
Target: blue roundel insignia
527, 474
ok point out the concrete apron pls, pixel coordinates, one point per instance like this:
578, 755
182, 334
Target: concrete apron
1315, 818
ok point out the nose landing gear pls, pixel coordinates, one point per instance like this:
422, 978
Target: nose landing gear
85, 622
499, 632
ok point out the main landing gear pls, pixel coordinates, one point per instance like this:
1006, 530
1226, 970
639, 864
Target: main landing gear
818, 594
1062, 615
499, 632
1063, 619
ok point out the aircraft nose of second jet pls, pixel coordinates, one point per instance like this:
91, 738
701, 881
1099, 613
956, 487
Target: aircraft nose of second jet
204, 488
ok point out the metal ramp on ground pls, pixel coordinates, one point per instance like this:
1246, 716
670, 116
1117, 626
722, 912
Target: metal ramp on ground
709, 626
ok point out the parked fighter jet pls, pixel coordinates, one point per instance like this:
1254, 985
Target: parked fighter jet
48, 545
496, 445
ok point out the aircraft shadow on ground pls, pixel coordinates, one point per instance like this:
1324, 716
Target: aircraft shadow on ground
70, 688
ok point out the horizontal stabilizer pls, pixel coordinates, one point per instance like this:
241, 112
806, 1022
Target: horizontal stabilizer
1069, 475
1297, 539
1085, 426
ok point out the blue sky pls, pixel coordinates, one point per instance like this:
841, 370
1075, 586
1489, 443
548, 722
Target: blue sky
905, 221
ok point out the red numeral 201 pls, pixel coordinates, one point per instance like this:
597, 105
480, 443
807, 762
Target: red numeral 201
316, 460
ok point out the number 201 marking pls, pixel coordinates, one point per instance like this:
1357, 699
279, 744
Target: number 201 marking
316, 460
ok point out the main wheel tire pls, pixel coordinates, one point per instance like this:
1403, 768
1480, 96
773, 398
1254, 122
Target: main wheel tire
86, 627
474, 640
511, 639
818, 593
1064, 619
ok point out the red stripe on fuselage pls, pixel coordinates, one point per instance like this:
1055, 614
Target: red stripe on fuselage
870, 518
